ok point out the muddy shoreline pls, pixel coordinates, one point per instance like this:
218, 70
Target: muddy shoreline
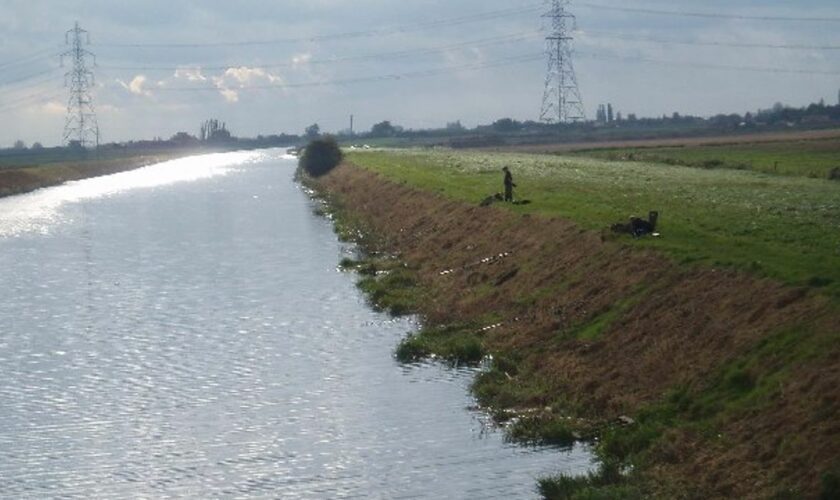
586, 329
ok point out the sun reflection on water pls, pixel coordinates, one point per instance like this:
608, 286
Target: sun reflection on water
38, 211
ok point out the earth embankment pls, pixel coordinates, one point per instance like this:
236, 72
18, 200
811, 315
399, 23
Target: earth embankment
731, 380
29, 178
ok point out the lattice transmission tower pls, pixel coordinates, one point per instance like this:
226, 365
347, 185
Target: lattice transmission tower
80, 124
561, 98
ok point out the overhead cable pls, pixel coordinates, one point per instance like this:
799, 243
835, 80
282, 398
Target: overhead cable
709, 15
456, 21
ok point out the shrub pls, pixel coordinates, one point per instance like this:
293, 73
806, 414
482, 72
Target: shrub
320, 156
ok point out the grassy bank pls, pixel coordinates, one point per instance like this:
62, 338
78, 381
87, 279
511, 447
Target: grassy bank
787, 228
697, 374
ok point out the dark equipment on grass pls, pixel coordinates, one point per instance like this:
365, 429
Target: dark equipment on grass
638, 227
486, 202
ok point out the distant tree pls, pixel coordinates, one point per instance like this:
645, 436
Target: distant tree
320, 156
631, 117
383, 129
37, 146
312, 131
183, 138
506, 125
19, 145
455, 126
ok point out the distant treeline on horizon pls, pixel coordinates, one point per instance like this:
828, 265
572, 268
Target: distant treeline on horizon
607, 125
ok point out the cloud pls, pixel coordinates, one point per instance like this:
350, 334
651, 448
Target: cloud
190, 74
242, 77
229, 95
107, 108
299, 60
136, 86
54, 108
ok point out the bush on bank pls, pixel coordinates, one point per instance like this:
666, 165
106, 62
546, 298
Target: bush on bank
320, 156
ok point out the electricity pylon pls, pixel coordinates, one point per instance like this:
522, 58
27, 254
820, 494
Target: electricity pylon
561, 98
80, 125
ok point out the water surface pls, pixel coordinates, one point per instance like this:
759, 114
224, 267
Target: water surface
181, 331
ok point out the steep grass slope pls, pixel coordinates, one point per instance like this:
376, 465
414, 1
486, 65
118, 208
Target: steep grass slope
731, 378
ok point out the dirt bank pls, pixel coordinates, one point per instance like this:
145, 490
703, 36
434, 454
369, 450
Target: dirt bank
746, 371
25, 179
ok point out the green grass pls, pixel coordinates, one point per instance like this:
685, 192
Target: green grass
542, 430
814, 158
738, 387
394, 290
594, 328
787, 228
507, 384
606, 483
457, 344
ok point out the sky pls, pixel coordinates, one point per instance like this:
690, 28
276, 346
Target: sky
273, 66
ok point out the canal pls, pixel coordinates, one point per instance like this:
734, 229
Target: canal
181, 330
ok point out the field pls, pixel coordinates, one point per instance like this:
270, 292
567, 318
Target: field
807, 158
783, 227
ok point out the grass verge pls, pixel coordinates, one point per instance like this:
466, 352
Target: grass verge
786, 228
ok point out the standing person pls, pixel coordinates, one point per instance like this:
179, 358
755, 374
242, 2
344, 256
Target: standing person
509, 185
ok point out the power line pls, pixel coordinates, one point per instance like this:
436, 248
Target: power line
456, 21
367, 79
642, 38
752, 69
708, 15
43, 96
383, 55
522, 58
35, 56
473, 43
28, 77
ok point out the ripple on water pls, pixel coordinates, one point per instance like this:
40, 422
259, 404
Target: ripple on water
194, 340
